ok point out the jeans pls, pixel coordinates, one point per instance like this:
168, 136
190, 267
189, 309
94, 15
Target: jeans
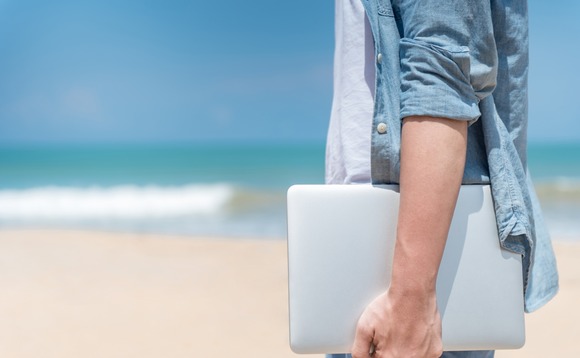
472, 354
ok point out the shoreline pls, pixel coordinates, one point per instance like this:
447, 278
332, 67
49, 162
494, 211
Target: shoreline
70, 293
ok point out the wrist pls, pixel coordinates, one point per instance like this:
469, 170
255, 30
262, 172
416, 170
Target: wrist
413, 278
412, 297
412, 289
415, 266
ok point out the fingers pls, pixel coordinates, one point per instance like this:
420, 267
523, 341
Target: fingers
363, 341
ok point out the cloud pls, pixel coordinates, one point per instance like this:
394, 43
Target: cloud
80, 102
71, 104
222, 116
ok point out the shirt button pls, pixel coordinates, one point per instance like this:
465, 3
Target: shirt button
379, 58
382, 128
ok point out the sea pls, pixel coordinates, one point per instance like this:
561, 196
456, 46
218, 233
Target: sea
234, 190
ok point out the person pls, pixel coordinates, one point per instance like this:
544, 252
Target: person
429, 95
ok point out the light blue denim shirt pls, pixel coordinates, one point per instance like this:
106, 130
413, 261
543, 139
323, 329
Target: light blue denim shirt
465, 60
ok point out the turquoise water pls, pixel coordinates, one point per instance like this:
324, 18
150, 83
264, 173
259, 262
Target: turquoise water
255, 166
549, 161
234, 190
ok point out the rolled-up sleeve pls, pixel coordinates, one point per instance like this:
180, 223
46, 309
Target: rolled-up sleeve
448, 57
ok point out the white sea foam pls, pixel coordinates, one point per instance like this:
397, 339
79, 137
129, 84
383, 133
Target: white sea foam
119, 202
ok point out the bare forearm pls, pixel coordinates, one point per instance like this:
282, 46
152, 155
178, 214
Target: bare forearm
404, 321
433, 154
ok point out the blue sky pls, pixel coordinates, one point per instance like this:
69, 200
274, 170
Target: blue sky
196, 71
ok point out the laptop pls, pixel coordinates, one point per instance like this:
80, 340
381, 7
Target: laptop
340, 249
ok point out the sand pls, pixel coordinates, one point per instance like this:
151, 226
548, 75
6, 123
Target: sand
94, 294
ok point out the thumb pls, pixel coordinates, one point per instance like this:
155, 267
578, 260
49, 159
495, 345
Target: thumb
363, 340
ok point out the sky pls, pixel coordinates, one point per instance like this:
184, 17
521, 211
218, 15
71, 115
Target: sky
211, 71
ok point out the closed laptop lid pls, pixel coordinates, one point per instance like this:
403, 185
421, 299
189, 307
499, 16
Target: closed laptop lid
340, 248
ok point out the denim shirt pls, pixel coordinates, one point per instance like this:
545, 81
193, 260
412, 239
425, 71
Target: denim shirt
466, 61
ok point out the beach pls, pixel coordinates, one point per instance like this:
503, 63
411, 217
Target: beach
103, 294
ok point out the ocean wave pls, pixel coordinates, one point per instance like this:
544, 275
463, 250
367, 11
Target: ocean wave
559, 188
119, 202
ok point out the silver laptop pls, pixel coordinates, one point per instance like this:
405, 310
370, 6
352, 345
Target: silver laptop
340, 249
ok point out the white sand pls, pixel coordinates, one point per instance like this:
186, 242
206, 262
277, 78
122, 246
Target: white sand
93, 294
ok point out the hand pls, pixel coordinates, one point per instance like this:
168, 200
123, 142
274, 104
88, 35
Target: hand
398, 325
